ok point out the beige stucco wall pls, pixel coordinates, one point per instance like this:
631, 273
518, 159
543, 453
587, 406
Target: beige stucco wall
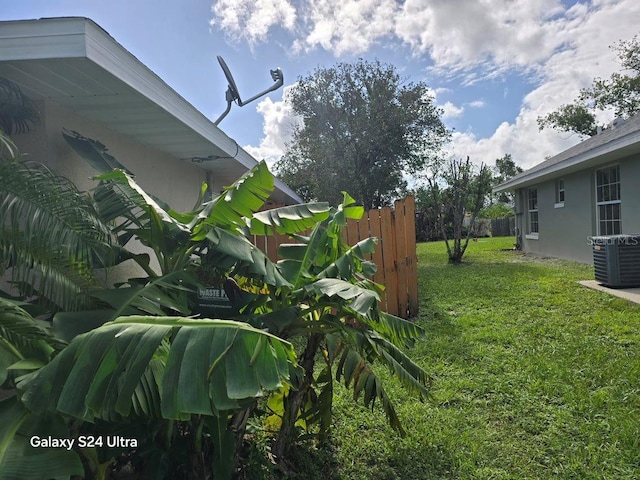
172, 180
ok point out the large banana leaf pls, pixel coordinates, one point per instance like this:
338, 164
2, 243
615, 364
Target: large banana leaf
150, 295
20, 460
359, 299
237, 202
121, 196
228, 250
288, 220
209, 366
94, 152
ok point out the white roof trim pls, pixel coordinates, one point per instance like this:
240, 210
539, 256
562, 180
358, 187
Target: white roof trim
602, 154
77, 37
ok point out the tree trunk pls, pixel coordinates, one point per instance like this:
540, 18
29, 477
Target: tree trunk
296, 399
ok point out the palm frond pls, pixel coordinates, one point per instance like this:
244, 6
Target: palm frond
24, 343
46, 224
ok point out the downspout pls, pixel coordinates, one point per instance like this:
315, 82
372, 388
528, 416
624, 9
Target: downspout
209, 182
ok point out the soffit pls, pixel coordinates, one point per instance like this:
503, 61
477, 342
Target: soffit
75, 63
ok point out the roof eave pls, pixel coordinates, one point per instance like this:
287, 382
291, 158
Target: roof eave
608, 152
80, 37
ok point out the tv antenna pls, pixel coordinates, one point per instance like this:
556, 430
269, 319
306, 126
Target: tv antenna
233, 95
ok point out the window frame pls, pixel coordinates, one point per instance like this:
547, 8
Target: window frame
560, 193
533, 219
605, 190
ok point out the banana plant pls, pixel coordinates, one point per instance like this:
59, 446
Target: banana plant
178, 241
331, 306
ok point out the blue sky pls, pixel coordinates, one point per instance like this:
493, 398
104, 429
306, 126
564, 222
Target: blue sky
494, 65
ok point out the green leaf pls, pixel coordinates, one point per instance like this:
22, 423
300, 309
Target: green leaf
92, 151
27, 364
68, 325
105, 373
247, 195
361, 300
288, 220
19, 460
354, 369
149, 296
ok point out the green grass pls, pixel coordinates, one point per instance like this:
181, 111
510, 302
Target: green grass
534, 375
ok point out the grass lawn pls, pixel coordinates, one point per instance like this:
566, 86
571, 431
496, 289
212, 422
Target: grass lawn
534, 375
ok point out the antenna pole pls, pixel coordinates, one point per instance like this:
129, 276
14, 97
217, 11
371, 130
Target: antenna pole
232, 94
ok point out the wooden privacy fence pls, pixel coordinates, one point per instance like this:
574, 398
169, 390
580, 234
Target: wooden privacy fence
395, 253
503, 227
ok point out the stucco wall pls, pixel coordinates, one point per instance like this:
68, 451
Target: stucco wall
630, 194
564, 232
174, 181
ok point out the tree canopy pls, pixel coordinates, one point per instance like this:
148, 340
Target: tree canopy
505, 169
620, 93
363, 130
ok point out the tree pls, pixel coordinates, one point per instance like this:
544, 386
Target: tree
363, 129
459, 192
620, 93
505, 169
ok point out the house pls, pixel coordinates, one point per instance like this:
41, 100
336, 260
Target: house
82, 79
593, 188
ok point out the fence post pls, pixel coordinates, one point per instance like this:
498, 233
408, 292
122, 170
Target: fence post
412, 256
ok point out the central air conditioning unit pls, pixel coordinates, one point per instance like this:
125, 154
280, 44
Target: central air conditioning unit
616, 260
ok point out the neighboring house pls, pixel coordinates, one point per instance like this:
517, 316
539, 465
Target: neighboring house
593, 188
82, 79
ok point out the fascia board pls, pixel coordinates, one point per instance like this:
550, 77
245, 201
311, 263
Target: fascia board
609, 151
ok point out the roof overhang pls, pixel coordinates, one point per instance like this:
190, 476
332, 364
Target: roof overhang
75, 63
615, 144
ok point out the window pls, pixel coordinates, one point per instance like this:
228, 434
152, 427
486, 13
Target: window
608, 203
532, 209
560, 193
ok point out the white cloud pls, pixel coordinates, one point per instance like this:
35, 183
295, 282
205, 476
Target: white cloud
492, 33
588, 33
457, 35
346, 26
279, 123
449, 110
560, 48
251, 20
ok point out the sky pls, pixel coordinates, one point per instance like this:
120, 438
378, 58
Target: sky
494, 66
